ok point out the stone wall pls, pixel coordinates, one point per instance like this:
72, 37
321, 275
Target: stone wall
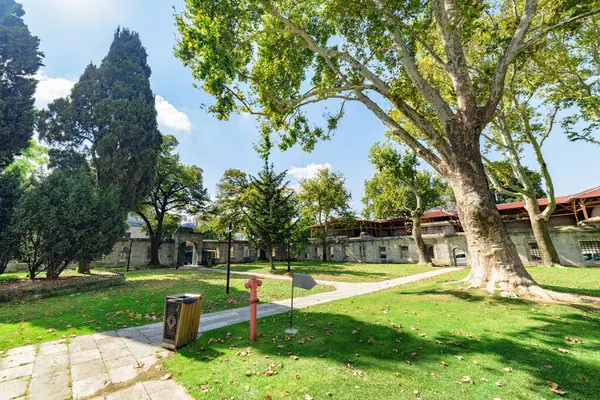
445, 248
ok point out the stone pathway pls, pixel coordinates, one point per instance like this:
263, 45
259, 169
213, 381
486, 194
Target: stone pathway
113, 362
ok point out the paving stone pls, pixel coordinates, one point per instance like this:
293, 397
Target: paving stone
136, 392
124, 374
82, 345
21, 350
87, 370
16, 372
129, 332
120, 362
116, 353
90, 386
175, 393
157, 386
16, 360
105, 335
13, 388
52, 348
111, 343
84, 356
50, 363
54, 386
140, 350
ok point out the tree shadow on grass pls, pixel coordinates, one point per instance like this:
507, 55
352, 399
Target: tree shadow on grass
360, 347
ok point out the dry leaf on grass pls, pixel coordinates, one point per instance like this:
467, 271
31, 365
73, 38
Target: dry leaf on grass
166, 377
555, 388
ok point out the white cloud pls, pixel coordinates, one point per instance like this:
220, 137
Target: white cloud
309, 171
170, 117
50, 89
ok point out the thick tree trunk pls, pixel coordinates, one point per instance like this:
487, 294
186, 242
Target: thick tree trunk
418, 237
539, 226
495, 263
84, 266
324, 243
154, 248
271, 264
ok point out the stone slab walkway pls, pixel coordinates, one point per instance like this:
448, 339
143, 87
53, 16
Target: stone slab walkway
83, 366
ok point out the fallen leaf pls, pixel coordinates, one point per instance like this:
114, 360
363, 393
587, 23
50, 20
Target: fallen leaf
443, 364
584, 380
466, 379
565, 351
547, 366
204, 388
555, 388
294, 357
297, 376
307, 397
483, 380
166, 377
499, 384
459, 358
508, 369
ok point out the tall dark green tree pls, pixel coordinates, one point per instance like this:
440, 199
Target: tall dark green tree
176, 188
10, 193
110, 117
19, 61
269, 210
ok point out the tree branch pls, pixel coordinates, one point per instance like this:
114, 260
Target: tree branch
513, 49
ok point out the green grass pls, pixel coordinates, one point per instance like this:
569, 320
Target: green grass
131, 304
584, 281
389, 345
338, 271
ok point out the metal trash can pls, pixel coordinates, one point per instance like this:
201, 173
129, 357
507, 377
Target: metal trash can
181, 320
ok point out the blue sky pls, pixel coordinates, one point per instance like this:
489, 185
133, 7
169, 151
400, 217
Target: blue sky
75, 32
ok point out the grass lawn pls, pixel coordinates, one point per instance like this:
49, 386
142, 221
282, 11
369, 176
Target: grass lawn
424, 340
584, 281
139, 301
342, 272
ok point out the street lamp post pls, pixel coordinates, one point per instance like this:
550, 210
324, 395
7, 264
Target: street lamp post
228, 259
288, 257
129, 255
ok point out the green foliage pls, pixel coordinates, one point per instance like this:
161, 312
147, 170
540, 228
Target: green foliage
110, 118
273, 59
10, 194
503, 174
176, 188
323, 198
232, 193
33, 159
399, 188
64, 218
270, 210
19, 61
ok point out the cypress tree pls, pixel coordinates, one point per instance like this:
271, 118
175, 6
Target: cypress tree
19, 61
110, 117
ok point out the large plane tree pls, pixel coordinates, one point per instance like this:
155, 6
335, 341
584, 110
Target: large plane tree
433, 72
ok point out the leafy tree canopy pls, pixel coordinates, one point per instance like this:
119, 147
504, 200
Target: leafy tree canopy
20, 59
399, 188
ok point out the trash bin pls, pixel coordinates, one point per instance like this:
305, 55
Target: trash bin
181, 320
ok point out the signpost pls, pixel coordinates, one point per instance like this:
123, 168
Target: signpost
304, 282
228, 259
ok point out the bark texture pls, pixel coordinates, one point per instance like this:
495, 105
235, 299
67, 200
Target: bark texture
420, 243
495, 263
539, 226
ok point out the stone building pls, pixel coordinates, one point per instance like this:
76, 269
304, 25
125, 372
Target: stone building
574, 227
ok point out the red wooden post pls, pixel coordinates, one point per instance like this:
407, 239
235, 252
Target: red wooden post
253, 285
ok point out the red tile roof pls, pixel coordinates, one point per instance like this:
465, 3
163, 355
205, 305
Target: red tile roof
586, 194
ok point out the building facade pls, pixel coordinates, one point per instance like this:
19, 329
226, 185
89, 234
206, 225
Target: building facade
574, 228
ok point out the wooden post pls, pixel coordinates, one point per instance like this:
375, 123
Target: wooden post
585, 213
